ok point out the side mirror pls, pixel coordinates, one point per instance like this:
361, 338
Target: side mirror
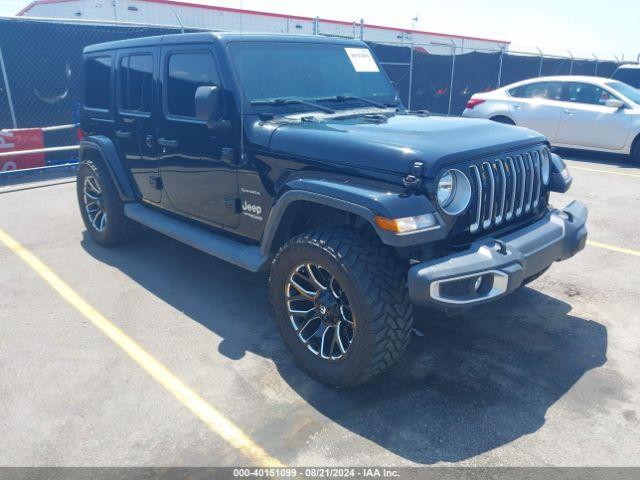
614, 103
209, 105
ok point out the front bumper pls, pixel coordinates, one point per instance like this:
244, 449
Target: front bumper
494, 267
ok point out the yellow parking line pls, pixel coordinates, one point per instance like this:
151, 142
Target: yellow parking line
208, 414
613, 248
572, 167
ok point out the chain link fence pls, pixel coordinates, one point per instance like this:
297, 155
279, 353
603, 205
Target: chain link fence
444, 83
40, 63
40, 82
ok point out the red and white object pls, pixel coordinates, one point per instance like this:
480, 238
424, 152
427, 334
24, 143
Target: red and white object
17, 140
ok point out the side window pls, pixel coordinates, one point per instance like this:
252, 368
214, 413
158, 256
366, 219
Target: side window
546, 90
519, 92
185, 73
136, 83
586, 93
97, 82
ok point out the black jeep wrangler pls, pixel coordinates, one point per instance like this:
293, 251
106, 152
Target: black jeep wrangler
295, 154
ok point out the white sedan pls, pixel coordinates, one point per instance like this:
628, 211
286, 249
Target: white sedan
588, 113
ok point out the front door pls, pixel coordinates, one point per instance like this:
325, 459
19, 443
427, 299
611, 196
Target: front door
136, 118
197, 163
588, 122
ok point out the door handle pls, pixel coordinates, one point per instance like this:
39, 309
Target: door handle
517, 107
123, 134
168, 142
149, 140
568, 112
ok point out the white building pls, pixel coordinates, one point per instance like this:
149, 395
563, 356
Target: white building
176, 12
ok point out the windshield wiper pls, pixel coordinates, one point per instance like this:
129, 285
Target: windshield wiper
344, 98
291, 101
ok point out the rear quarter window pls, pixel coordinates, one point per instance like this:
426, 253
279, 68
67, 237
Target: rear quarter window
97, 82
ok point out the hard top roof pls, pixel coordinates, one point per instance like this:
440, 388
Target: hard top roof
216, 37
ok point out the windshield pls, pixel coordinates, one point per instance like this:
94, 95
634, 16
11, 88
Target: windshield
628, 91
630, 76
308, 71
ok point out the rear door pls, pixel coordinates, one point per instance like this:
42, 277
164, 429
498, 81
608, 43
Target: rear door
588, 122
197, 163
136, 118
537, 106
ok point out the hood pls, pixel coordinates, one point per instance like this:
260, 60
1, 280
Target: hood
392, 145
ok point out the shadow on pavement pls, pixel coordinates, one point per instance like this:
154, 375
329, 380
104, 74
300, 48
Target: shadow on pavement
471, 384
597, 158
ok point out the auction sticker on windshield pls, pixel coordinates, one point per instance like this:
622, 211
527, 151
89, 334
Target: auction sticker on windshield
362, 60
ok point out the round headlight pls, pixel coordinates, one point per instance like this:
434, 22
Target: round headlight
545, 165
453, 192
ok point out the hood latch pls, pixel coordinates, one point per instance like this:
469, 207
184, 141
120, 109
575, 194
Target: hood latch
413, 180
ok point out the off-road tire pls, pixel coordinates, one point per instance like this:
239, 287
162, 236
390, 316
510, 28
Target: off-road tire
119, 229
374, 280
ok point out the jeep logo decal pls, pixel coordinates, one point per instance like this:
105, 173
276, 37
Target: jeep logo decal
253, 211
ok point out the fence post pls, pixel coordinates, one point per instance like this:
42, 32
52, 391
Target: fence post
541, 58
500, 67
571, 64
595, 73
410, 76
410, 96
453, 71
6, 87
316, 25
361, 29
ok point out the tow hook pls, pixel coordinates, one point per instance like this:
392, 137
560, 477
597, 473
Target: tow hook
413, 180
501, 247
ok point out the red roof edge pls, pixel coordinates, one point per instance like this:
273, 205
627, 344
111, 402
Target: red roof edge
279, 15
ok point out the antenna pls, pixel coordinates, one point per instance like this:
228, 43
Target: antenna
179, 21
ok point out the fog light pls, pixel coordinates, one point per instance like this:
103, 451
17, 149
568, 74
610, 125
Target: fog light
477, 284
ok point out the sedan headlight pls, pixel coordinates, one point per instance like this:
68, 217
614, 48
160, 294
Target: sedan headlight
545, 165
453, 192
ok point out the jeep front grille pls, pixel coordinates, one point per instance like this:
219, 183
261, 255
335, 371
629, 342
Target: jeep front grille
505, 189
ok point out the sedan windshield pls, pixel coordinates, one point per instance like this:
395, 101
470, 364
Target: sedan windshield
628, 91
630, 76
270, 73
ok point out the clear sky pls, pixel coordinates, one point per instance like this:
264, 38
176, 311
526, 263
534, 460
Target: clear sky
582, 26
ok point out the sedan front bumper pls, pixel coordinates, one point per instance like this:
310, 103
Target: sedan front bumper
494, 267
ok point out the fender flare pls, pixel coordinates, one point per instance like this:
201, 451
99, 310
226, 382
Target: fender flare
107, 150
365, 201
